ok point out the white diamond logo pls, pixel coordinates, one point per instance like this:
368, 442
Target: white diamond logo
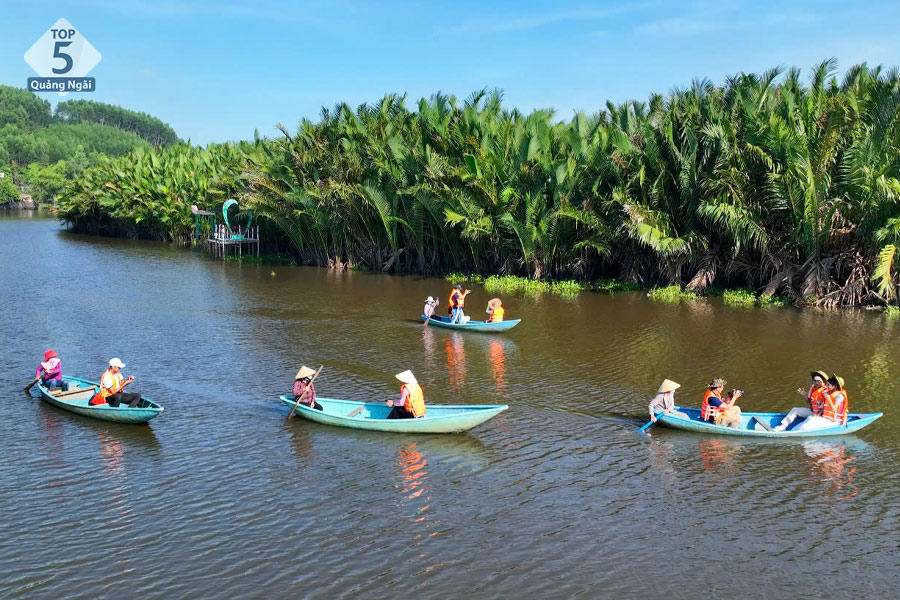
62, 52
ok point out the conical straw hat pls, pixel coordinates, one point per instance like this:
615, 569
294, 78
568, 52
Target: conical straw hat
668, 386
304, 372
494, 303
406, 377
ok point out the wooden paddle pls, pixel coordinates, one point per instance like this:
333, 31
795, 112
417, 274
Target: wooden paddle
297, 403
29, 386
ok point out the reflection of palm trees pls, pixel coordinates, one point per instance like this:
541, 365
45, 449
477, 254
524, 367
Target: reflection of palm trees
456, 361
828, 468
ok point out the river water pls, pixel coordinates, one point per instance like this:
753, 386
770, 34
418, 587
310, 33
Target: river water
221, 497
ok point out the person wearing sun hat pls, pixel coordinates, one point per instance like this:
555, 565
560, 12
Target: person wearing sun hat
49, 372
663, 402
816, 398
835, 410
305, 389
428, 310
495, 308
412, 399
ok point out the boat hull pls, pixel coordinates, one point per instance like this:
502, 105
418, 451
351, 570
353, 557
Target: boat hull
373, 416
78, 404
478, 326
749, 427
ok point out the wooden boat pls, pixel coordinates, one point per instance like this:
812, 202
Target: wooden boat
479, 326
80, 392
373, 416
751, 427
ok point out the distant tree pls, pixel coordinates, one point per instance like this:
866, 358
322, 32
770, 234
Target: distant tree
22, 108
146, 126
8, 191
46, 181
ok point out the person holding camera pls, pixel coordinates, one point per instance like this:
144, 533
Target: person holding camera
457, 301
718, 410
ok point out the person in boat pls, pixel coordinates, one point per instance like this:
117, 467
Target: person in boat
111, 385
412, 399
428, 310
719, 410
834, 409
495, 309
456, 303
305, 389
816, 398
664, 401
49, 372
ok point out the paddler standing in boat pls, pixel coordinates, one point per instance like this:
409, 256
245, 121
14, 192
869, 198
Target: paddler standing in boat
412, 399
456, 303
816, 398
305, 389
111, 385
664, 401
495, 309
715, 409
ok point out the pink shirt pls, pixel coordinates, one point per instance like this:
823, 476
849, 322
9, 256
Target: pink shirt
51, 369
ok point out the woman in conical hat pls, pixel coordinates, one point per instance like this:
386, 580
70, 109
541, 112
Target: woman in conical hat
663, 402
412, 399
304, 389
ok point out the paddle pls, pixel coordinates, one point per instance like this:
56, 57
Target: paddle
29, 386
297, 403
649, 423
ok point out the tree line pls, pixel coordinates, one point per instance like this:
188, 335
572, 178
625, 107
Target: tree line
785, 184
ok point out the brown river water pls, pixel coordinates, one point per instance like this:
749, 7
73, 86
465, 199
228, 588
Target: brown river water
221, 497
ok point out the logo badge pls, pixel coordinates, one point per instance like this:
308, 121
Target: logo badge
62, 58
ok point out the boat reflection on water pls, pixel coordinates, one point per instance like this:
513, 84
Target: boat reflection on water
456, 360
498, 367
718, 455
830, 468
415, 498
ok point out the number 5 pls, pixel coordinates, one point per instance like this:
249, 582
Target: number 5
64, 56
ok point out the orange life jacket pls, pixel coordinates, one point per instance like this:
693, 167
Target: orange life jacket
415, 400
709, 412
456, 295
116, 379
816, 397
837, 414
496, 315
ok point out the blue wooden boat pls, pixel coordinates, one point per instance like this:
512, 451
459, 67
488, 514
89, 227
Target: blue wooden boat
472, 325
80, 392
750, 427
373, 416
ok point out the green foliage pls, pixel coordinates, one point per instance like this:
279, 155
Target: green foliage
611, 286
145, 126
22, 109
455, 278
740, 297
148, 193
8, 191
672, 293
45, 182
763, 182
892, 312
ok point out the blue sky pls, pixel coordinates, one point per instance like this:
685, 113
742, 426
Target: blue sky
217, 70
